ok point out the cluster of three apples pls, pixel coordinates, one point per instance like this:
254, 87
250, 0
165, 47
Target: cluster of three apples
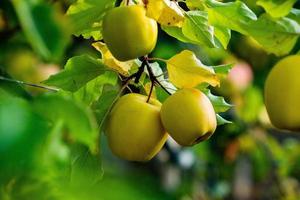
137, 128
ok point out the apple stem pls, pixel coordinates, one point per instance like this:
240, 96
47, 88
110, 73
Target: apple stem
150, 92
2, 78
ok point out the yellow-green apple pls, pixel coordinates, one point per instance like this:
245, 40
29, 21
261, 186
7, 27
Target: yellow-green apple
128, 32
134, 129
282, 94
188, 116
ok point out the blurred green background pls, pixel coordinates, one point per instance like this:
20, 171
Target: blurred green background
247, 159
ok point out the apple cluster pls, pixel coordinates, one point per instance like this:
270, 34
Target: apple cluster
138, 126
137, 129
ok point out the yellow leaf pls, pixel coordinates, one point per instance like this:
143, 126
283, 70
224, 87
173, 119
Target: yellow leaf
186, 71
165, 12
108, 59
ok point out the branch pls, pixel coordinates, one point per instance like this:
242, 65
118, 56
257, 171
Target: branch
28, 84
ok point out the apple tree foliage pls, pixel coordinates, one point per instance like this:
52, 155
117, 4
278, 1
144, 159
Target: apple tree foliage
72, 119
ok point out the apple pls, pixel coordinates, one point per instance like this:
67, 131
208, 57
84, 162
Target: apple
188, 116
134, 129
282, 94
128, 32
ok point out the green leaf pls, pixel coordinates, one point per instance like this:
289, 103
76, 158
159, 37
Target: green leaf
76, 118
218, 102
277, 8
22, 132
223, 35
222, 69
233, 15
295, 15
46, 32
86, 16
276, 36
105, 103
78, 71
222, 121
86, 168
176, 32
93, 89
196, 28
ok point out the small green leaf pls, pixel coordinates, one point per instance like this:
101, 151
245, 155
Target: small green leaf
218, 102
277, 8
93, 89
76, 118
222, 121
78, 71
196, 28
222, 69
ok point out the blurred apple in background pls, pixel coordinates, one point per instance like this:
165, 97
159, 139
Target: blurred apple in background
25, 66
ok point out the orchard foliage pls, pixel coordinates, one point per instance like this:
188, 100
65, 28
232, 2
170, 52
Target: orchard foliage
55, 137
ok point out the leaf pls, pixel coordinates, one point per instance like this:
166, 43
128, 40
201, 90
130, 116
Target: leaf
277, 8
78, 71
196, 28
294, 15
165, 12
233, 15
108, 59
176, 32
86, 17
86, 168
218, 102
223, 35
192, 4
76, 118
105, 103
22, 131
185, 70
276, 36
93, 89
223, 69
45, 28
222, 121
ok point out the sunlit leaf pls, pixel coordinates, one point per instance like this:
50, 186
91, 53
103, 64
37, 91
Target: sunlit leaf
186, 70
108, 59
277, 8
165, 12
